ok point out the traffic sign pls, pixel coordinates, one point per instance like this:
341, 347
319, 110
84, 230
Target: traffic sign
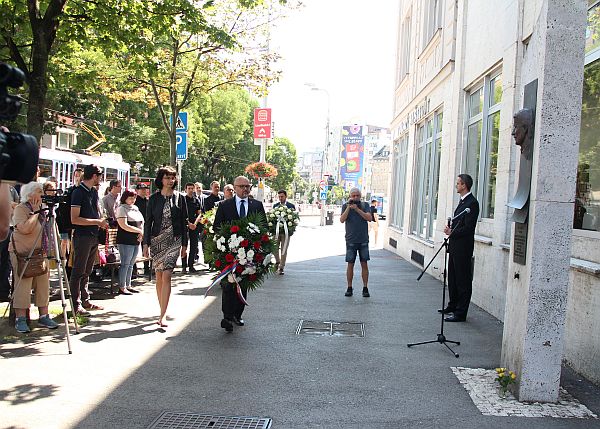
182, 122
181, 139
262, 123
322, 185
323, 195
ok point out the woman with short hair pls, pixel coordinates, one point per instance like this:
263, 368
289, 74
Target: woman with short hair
31, 231
165, 233
129, 236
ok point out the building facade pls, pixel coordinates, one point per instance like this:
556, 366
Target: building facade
457, 87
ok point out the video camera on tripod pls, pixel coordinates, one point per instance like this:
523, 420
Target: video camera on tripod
54, 197
19, 153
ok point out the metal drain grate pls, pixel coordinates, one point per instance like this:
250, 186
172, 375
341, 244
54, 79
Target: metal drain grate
173, 420
331, 329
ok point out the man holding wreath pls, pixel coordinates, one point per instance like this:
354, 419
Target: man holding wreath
229, 210
281, 254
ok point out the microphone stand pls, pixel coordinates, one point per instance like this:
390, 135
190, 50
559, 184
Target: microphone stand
441, 338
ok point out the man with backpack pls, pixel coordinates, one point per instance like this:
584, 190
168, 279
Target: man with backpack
63, 217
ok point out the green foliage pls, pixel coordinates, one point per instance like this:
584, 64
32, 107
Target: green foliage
225, 145
282, 154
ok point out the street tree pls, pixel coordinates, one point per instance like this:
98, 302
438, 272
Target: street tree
282, 154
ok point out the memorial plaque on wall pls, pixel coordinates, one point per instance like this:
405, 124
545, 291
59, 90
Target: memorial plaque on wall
520, 243
521, 228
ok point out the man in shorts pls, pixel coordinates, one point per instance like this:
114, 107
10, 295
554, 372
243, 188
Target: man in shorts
356, 215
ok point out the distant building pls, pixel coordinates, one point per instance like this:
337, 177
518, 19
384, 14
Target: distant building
381, 172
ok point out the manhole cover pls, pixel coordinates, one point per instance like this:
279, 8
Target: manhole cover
331, 329
172, 420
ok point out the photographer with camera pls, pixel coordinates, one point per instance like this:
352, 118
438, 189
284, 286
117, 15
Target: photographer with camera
356, 214
32, 232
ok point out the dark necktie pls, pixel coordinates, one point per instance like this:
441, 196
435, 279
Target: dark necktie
242, 209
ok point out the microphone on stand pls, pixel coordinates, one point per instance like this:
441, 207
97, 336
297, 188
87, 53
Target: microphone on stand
464, 212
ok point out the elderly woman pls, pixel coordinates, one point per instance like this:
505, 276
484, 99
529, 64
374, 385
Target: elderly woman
129, 237
165, 234
31, 232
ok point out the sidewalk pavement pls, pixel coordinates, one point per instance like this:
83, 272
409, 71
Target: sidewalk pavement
124, 370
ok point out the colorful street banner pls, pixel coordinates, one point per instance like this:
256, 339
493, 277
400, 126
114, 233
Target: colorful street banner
352, 157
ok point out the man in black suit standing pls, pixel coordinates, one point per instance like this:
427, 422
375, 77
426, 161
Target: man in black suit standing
228, 210
281, 254
460, 249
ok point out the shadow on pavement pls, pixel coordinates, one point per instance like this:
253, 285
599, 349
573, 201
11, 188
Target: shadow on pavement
27, 393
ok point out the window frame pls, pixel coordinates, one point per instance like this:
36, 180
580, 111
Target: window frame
400, 163
480, 183
419, 227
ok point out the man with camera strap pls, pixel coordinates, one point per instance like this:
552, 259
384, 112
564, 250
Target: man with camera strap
356, 215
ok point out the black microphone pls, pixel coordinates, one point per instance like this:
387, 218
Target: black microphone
464, 212
449, 221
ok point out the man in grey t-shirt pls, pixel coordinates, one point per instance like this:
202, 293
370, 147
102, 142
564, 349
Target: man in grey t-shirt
356, 214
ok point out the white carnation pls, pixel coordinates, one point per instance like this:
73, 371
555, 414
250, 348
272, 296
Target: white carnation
290, 223
296, 221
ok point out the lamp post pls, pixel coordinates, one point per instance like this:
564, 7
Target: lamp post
313, 87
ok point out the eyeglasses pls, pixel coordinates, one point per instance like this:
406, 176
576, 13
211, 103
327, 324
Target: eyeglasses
244, 186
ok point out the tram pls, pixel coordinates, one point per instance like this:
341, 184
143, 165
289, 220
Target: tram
61, 164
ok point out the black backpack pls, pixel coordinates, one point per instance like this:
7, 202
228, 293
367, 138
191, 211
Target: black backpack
63, 212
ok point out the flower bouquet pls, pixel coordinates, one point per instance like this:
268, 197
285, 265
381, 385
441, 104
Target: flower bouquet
207, 220
505, 378
242, 252
281, 220
260, 170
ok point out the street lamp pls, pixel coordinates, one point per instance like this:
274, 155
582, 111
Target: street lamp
313, 87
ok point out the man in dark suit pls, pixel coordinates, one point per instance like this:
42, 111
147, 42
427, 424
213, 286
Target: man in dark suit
281, 254
460, 249
235, 208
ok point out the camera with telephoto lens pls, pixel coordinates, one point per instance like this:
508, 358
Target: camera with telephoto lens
19, 153
59, 197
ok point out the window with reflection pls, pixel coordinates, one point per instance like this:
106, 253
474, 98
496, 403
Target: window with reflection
426, 176
587, 192
483, 133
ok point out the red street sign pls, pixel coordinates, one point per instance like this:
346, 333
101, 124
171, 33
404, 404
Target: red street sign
262, 123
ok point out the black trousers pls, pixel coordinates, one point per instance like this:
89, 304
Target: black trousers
230, 303
85, 250
194, 238
460, 282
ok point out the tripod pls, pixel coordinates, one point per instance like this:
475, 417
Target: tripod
441, 338
60, 264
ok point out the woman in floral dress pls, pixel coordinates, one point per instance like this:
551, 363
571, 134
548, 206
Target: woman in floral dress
165, 237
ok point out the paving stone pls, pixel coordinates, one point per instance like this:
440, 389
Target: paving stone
483, 390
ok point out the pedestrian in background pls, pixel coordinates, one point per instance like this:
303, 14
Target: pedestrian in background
110, 201
356, 214
63, 216
374, 224
141, 201
129, 236
228, 191
194, 215
211, 200
165, 234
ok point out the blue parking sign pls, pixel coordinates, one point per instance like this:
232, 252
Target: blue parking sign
181, 139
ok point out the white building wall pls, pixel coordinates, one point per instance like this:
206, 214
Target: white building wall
479, 37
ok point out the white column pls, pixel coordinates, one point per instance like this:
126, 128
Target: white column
536, 301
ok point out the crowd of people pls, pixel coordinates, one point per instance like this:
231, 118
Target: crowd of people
165, 226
